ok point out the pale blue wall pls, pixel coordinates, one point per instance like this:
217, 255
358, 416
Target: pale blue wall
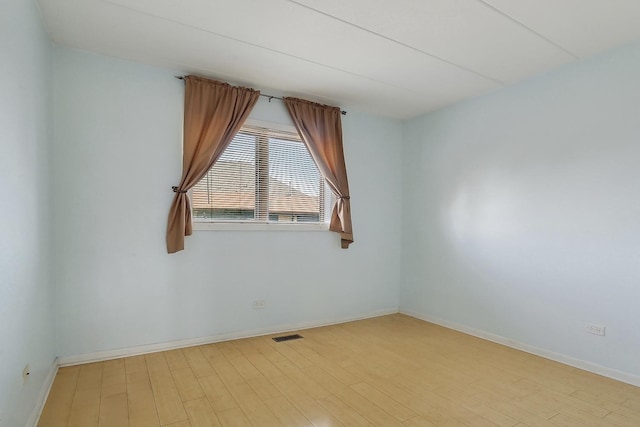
522, 212
26, 286
117, 152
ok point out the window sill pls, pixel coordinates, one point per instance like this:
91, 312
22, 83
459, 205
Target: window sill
257, 226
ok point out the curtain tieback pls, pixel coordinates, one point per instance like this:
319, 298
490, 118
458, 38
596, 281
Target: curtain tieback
175, 190
344, 197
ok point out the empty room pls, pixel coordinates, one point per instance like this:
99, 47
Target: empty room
320, 213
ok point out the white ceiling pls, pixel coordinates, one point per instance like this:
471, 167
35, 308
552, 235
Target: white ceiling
396, 58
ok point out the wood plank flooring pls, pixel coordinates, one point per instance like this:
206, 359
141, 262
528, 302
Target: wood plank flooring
391, 371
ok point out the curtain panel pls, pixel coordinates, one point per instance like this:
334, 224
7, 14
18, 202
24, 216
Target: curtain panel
213, 113
320, 128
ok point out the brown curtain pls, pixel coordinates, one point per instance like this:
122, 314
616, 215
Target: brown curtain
213, 114
321, 130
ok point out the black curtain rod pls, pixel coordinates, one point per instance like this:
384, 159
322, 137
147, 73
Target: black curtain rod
344, 113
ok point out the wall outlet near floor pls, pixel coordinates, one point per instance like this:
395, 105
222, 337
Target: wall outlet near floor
259, 304
25, 373
596, 329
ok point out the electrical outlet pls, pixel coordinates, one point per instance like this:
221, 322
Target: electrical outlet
596, 329
259, 304
25, 373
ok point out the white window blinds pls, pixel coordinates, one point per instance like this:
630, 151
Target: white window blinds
264, 175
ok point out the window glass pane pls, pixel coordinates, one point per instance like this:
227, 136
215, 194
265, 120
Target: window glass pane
227, 191
264, 175
294, 183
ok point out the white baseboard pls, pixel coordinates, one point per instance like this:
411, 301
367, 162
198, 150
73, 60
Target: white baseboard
170, 345
624, 377
44, 393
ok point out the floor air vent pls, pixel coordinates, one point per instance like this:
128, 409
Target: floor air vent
288, 338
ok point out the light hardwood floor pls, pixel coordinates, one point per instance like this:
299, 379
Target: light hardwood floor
391, 371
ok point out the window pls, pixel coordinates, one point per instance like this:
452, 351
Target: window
265, 175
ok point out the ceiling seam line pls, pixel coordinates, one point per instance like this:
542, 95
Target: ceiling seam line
531, 30
382, 36
265, 48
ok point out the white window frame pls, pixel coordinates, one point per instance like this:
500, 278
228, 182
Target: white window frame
220, 225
